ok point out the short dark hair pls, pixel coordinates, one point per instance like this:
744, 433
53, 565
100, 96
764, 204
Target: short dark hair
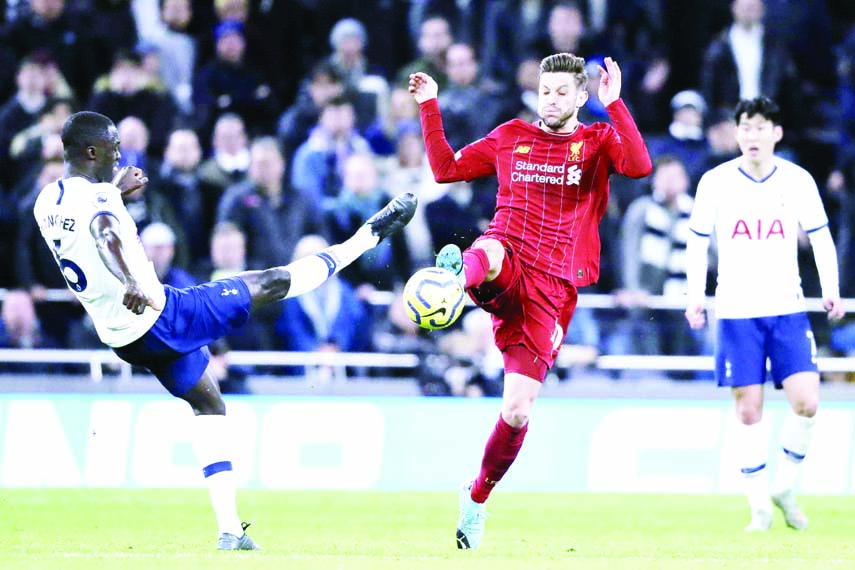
762, 105
84, 129
666, 159
326, 69
339, 101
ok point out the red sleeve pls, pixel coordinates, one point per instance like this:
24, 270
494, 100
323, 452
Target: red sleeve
472, 161
625, 146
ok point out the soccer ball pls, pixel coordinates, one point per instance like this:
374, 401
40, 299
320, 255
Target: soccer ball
433, 298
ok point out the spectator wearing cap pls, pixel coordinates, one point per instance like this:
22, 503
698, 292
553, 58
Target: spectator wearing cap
158, 240
228, 84
685, 138
234, 11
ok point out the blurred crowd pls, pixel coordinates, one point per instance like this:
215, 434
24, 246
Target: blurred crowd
269, 129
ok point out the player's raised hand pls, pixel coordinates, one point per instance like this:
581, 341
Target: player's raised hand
834, 308
422, 87
610, 82
135, 299
129, 179
695, 316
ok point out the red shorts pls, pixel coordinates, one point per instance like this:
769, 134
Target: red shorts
529, 308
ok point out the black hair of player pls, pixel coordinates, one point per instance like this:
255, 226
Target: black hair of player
83, 130
762, 105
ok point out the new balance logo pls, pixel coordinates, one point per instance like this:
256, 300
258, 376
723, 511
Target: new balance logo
227, 292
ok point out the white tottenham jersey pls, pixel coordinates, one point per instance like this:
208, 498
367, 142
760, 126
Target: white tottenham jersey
64, 211
756, 225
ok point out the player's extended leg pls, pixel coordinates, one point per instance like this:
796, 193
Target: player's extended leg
310, 272
752, 446
802, 391
501, 450
482, 262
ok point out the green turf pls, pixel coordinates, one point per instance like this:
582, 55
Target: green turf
165, 529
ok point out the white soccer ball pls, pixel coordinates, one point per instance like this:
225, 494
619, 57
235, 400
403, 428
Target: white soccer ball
433, 298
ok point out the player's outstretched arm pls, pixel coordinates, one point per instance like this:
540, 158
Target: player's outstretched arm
104, 229
444, 163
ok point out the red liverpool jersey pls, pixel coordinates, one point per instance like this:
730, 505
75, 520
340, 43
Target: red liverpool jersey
553, 189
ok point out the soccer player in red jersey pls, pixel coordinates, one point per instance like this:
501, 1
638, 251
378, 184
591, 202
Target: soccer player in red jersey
543, 241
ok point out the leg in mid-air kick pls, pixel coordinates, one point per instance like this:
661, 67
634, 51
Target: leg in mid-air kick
308, 273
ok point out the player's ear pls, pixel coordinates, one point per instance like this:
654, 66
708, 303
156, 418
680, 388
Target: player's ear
91, 152
779, 133
581, 98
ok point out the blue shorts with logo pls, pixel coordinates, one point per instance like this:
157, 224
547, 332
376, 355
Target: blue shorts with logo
743, 345
175, 349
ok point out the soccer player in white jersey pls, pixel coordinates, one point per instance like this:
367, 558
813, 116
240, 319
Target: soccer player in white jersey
166, 330
755, 205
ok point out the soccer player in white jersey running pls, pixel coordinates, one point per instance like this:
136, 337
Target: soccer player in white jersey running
755, 205
167, 330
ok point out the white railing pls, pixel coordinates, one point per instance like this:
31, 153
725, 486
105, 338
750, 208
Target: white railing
587, 300
99, 360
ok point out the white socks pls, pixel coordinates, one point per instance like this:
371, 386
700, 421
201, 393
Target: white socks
212, 444
796, 435
752, 455
308, 273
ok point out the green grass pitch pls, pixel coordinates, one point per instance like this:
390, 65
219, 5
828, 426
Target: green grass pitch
165, 529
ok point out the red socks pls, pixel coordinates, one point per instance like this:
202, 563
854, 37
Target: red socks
475, 266
502, 448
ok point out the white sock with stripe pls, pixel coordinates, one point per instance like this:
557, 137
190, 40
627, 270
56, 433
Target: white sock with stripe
211, 442
796, 435
308, 273
751, 446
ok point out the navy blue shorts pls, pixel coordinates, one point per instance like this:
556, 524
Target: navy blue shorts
175, 349
743, 345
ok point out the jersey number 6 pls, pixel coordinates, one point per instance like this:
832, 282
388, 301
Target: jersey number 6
72, 273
